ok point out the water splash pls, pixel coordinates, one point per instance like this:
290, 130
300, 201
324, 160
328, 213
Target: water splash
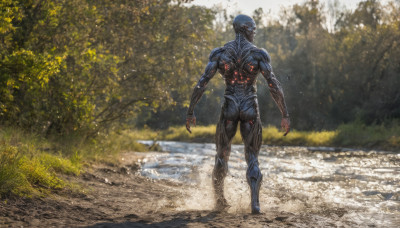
356, 188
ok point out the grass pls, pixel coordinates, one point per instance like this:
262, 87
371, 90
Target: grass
32, 165
384, 136
26, 170
356, 134
271, 135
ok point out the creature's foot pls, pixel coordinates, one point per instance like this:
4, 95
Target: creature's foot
255, 208
255, 189
221, 205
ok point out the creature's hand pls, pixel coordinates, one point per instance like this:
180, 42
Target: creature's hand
285, 124
189, 120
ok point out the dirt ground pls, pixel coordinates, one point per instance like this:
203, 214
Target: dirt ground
117, 196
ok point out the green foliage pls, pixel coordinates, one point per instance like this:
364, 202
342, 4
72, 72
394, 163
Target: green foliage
26, 170
356, 135
271, 136
59, 164
12, 181
38, 175
200, 134
124, 142
26, 76
334, 77
335, 66
78, 66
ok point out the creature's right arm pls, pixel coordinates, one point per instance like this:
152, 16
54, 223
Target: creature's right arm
274, 85
275, 88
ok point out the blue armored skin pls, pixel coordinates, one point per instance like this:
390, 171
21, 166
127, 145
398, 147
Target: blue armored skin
239, 62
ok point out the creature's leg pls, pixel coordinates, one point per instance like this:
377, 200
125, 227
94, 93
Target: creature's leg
226, 130
251, 131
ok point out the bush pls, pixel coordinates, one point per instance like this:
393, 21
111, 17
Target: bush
26, 170
12, 181
357, 134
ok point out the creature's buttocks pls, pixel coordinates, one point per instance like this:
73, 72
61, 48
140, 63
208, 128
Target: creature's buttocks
237, 64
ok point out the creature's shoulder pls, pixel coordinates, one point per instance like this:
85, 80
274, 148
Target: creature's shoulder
231, 46
262, 54
215, 53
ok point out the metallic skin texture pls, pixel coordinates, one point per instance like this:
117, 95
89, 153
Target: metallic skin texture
239, 62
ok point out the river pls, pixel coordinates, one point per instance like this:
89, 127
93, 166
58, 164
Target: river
356, 186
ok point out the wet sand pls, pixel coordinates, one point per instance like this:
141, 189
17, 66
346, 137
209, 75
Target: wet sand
118, 198
142, 193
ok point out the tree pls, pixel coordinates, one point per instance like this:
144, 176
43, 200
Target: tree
81, 65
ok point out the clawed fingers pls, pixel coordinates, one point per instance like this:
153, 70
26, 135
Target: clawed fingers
287, 131
188, 126
285, 124
190, 120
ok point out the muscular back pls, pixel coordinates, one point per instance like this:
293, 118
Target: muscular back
238, 62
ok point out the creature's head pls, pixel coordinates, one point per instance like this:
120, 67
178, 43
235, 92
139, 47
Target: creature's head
245, 25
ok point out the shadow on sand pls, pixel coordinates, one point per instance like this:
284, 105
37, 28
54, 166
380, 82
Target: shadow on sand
181, 219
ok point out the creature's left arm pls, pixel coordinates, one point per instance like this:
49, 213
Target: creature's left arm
199, 89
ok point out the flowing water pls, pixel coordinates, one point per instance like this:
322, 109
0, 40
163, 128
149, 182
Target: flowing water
354, 185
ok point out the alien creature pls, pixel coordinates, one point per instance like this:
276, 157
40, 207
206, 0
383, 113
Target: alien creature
239, 62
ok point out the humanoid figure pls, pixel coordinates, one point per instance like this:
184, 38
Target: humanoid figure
239, 62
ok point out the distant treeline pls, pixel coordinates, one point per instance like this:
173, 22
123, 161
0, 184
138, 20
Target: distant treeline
85, 66
336, 65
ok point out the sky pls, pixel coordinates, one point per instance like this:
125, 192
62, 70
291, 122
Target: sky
270, 7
